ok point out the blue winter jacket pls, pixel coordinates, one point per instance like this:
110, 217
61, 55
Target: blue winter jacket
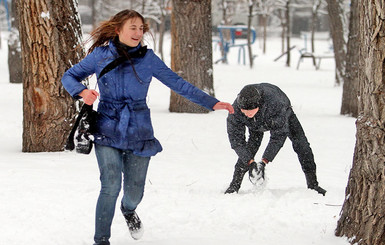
124, 120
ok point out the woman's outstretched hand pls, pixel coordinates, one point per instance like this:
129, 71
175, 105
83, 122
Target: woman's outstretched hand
89, 96
224, 106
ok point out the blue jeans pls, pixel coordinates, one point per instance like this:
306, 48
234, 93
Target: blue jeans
112, 163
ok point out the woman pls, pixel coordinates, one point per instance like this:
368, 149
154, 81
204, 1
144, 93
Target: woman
124, 139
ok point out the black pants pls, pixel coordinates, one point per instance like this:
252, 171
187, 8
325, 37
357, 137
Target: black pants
300, 145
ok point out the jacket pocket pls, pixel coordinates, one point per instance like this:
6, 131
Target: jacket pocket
144, 130
106, 125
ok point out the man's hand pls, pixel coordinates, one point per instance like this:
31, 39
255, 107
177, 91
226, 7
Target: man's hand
224, 106
89, 96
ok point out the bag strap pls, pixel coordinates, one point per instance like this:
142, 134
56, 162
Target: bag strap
113, 64
70, 145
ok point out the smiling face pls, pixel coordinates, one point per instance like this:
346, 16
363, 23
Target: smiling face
131, 32
250, 113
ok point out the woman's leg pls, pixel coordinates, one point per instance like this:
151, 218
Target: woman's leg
110, 166
134, 172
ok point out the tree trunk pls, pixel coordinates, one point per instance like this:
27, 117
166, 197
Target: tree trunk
162, 29
288, 33
349, 105
314, 21
264, 30
362, 216
281, 15
249, 45
336, 23
191, 52
226, 20
164, 5
14, 49
49, 33
94, 13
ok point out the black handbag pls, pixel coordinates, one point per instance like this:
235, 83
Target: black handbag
86, 120
84, 127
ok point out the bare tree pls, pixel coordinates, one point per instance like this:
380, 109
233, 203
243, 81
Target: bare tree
228, 11
316, 8
284, 8
337, 30
249, 21
49, 33
349, 105
14, 49
280, 13
288, 31
362, 216
104, 9
265, 8
191, 53
164, 12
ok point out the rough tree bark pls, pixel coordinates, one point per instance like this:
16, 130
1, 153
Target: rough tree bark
349, 105
49, 33
191, 52
362, 217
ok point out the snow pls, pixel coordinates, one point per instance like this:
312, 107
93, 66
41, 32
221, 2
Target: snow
44, 15
50, 198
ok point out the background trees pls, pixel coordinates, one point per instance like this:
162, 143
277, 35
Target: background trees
349, 105
14, 49
338, 29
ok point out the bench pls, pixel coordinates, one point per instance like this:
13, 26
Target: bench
315, 57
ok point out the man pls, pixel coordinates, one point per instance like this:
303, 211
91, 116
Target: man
264, 107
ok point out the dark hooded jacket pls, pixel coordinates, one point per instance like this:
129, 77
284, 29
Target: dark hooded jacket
272, 116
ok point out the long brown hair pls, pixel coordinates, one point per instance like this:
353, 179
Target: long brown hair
107, 29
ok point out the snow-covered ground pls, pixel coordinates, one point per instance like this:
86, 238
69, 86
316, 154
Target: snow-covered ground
49, 198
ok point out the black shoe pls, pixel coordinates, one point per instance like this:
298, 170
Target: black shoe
231, 189
102, 243
312, 183
239, 172
318, 189
134, 225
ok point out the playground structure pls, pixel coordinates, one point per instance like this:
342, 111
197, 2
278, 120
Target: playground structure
5, 20
231, 37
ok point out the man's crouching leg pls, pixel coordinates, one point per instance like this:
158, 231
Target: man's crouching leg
239, 171
312, 183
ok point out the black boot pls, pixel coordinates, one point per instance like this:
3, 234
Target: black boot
134, 224
232, 188
235, 184
312, 183
103, 242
